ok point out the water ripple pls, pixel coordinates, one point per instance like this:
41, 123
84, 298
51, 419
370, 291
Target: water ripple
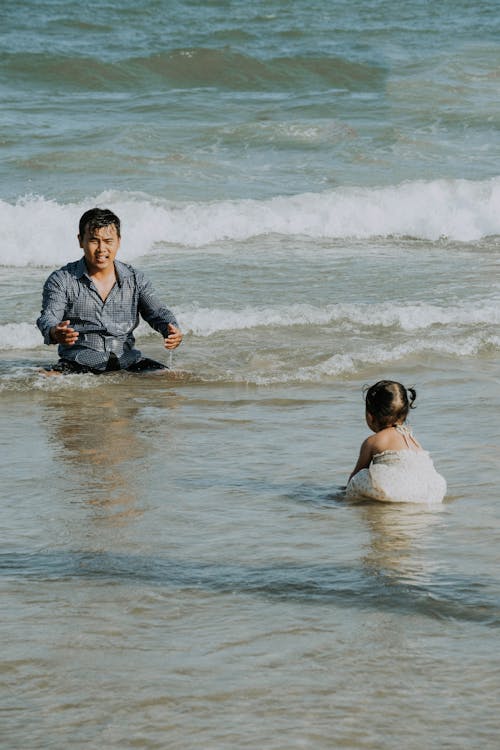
445, 598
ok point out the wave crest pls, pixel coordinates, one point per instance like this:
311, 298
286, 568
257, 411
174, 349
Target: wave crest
360, 317
194, 68
40, 231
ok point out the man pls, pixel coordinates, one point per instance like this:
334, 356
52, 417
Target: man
91, 307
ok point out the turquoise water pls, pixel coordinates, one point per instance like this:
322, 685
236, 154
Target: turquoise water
184, 100
314, 190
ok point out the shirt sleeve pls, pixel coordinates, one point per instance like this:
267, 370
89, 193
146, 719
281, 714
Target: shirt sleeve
53, 305
152, 308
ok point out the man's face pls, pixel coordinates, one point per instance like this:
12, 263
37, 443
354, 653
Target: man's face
99, 247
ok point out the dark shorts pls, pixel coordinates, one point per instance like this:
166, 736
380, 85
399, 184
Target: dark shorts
142, 365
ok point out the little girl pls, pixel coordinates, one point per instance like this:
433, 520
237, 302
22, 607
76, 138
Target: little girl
392, 466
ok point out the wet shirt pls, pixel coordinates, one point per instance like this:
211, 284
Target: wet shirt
103, 326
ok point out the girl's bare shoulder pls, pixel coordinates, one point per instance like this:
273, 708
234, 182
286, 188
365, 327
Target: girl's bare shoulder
385, 440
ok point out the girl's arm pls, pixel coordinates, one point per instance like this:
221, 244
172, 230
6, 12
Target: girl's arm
365, 456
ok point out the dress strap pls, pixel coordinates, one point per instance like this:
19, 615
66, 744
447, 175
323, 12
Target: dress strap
407, 436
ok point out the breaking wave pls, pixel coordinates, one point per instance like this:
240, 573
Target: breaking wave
38, 231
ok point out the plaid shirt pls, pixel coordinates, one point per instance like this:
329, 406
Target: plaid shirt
103, 327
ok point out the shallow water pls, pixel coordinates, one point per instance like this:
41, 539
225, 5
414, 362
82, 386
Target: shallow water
314, 190
182, 569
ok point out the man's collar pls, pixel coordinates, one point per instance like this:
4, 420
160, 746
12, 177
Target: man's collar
81, 268
121, 270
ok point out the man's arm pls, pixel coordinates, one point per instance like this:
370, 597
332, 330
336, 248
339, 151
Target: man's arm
54, 329
174, 337
63, 334
154, 312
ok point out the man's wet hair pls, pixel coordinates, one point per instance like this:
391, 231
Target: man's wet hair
96, 218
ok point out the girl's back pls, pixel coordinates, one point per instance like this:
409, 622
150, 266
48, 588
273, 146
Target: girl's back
392, 465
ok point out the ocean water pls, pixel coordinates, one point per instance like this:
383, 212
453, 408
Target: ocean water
314, 190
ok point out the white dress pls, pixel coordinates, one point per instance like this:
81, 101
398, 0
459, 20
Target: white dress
401, 476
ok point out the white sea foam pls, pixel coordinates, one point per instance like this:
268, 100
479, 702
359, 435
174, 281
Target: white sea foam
349, 363
407, 317
19, 336
360, 317
42, 232
340, 363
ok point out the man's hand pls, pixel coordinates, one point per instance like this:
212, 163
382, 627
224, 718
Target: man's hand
174, 337
63, 334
